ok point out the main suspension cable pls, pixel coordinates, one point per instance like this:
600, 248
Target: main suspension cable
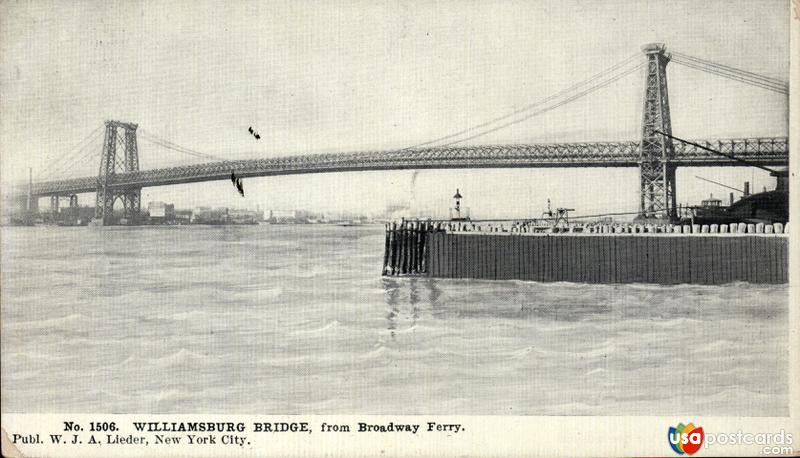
570, 99
561, 93
178, 148
728, 68
731, 73
50, 171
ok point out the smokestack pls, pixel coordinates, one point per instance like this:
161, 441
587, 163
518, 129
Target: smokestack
731, 196
30, 188
746, 188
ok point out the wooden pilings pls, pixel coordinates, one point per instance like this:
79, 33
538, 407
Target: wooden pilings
405, 251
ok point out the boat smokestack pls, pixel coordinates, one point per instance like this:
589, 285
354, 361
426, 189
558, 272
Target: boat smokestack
30, 189
731, 199
746, 188
782, 180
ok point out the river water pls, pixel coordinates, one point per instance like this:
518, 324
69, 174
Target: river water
298, 320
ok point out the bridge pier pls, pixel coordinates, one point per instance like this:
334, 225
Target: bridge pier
131, 205
54, 202
68, 215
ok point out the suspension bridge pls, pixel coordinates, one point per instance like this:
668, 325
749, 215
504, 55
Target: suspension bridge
656, 155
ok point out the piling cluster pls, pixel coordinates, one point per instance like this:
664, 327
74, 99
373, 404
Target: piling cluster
405, 250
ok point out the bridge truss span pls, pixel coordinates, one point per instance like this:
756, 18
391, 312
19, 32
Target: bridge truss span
764, 151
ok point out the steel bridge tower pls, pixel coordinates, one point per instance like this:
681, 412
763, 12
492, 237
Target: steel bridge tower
657, 174
126, 159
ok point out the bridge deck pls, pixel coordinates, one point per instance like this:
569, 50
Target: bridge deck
763, 151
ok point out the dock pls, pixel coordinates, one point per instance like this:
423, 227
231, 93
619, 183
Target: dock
596, 253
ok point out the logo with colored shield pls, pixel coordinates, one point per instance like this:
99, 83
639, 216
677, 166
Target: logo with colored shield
685, 438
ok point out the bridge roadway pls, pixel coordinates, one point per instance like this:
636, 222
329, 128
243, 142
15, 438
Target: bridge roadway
762, 151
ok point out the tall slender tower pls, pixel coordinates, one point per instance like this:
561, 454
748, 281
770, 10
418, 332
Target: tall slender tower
30, 190
657, 174
112, 163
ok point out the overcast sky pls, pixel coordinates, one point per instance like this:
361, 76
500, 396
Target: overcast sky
345, 76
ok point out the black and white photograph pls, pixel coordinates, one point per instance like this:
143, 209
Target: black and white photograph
259, 228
